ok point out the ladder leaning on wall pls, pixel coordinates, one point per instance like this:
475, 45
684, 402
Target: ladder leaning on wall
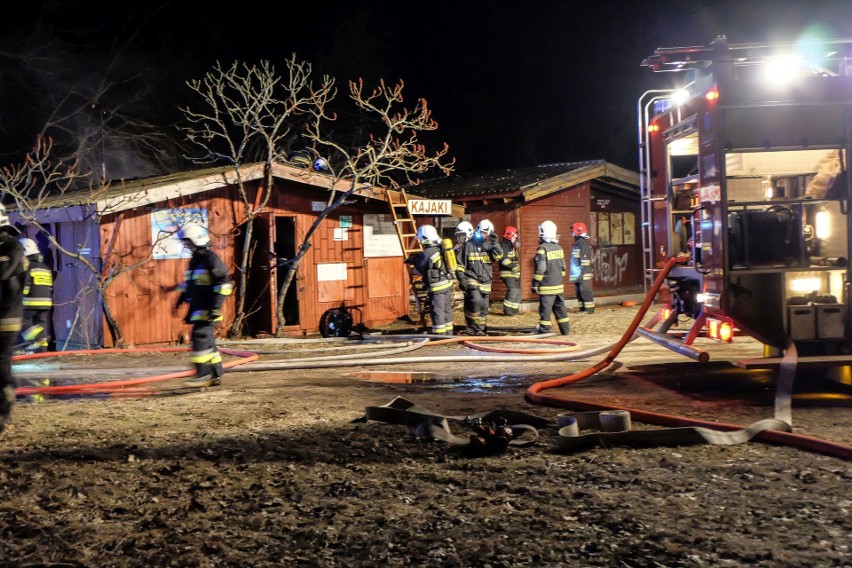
406, 229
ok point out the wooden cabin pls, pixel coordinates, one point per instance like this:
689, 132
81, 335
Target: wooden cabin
355, 257
598, 193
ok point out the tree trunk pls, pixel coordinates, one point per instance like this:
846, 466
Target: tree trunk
237, 328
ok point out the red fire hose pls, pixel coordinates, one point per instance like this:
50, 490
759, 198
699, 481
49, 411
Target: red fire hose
809, 443
121, 386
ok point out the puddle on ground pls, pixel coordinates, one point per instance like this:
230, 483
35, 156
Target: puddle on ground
458, 384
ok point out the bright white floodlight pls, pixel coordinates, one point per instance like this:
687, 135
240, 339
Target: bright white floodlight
680, 97
783, 69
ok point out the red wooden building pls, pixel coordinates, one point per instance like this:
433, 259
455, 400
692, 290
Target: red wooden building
600, 194
355, 258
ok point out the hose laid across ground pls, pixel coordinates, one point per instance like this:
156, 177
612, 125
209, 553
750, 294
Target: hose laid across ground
534, 395
113, 387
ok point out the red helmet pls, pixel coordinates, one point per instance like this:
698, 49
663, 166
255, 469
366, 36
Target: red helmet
579, 229
510, 232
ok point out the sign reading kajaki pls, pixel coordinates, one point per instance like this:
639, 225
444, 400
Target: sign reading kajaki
430, 206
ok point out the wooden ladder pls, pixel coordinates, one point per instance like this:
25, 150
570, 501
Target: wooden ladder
406, 229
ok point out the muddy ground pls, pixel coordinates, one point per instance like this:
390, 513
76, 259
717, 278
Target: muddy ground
273, 469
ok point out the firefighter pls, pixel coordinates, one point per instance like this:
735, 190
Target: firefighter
430, 264
13, 272
205, 287
38, 300
548, 280
475, 272
510, 271
581, 268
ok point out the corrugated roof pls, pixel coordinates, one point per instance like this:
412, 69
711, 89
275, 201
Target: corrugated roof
122, 195
531, 183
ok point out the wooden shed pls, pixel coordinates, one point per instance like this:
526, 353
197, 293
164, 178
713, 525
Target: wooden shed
598, 193
355, 259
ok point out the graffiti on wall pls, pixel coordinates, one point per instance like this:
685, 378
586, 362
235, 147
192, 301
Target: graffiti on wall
609, 266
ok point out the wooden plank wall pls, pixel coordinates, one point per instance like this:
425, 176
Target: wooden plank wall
145, 298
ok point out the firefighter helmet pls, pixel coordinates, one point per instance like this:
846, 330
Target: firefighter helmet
464, 228
428, 235
547, 232
198, 235
485, 227
4, 218
30, 247
510, 233
579, 229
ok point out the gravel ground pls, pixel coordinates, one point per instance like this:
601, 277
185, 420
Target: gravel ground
274, 468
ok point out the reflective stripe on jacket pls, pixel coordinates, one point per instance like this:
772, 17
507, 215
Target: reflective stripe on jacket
38, 287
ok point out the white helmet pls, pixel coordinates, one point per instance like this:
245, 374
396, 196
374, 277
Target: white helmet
428, 235
466, 228
30, 247
199, 236
485, 227
4, 218
547, 232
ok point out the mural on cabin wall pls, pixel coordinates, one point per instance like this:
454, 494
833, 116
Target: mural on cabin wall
165, 224
608, 231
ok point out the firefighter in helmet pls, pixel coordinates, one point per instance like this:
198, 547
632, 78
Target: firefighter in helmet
13, 272
510, 271
431, 266
38, 299
475, 273
580, 272
548, 280
205, 287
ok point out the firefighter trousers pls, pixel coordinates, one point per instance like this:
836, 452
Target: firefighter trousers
441, 312
585, 296
475, 309
7, 345
34, 331
205, 355
552, 304
512, 301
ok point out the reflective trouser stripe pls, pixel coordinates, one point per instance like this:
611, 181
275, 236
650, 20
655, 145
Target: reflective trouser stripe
552, 304
10, 324
442, 313
475, 309
32, 332
209, 356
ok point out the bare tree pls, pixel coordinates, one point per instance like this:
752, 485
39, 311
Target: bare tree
251, 114
41, 184
390, 154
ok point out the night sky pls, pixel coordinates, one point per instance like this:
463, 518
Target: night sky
511, 84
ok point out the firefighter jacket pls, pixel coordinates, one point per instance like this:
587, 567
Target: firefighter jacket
509, 266
581, 260
38, 285
475, 263
205, 287
430, 264
13, 272
549, 269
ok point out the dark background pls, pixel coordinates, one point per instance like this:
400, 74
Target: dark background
511, 84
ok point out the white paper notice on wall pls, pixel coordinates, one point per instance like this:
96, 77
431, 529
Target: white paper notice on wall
331, 271
341, 234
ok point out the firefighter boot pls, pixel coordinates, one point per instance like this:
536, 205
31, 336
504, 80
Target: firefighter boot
564, 327
202, 381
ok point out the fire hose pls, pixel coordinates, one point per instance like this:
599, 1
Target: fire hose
774, 430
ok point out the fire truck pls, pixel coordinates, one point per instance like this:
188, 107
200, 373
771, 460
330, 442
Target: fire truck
743, 163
